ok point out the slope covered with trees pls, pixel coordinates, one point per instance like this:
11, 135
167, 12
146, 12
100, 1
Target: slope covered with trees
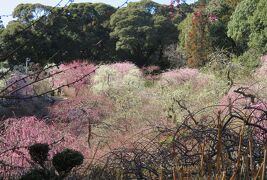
143, 91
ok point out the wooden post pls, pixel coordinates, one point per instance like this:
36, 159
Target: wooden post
258, 172
251, 155
237, 168
174, 173
161, 174
219, 147
264, 163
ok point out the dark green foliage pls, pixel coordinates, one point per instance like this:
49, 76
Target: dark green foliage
63, 162
81, 31
181, 12
219, 38
142, 31
40, 174
250, 59
248, 25
25, 13
66, 160
39, 153
218, 30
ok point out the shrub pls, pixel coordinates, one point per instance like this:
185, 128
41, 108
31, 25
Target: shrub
66, 160
124, 68
63, 162
39, 152
250, 59
77, 112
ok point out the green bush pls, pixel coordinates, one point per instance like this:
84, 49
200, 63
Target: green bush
39, 153
63, 162
66, 160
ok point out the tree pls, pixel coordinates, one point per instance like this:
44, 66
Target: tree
26, 13
197, 45
219, 12
141, 30
258, 25
248, 25
13, 41
80, 31
184, 27
1, 24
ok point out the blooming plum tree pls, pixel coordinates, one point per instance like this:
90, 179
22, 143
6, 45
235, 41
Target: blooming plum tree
20, 133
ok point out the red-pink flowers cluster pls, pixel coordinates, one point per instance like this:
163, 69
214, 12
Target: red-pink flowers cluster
75, 74
23, 132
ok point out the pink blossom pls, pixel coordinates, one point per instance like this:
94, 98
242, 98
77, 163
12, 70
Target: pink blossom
76, 73
213, 18
178, 76
23, 132
123, 68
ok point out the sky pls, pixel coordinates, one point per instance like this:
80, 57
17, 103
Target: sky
7, 6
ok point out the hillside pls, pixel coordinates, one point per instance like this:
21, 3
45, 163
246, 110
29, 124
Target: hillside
144, 91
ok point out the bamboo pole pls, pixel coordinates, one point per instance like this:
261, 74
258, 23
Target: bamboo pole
161, 173
219, 147
237, 168
264, 163
209, 172
246, 168
174, 173
258, 172
251, 155
202, 159
224, 176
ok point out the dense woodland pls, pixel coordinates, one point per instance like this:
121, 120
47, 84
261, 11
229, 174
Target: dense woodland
141, 91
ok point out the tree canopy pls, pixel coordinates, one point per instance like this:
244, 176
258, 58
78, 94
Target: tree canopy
141, 30
248, 25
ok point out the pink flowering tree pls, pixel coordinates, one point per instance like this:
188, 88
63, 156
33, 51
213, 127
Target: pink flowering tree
74, 75
178, 76
242, 106
21, 133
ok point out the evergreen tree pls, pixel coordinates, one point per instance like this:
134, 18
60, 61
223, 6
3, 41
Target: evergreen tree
197, 44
